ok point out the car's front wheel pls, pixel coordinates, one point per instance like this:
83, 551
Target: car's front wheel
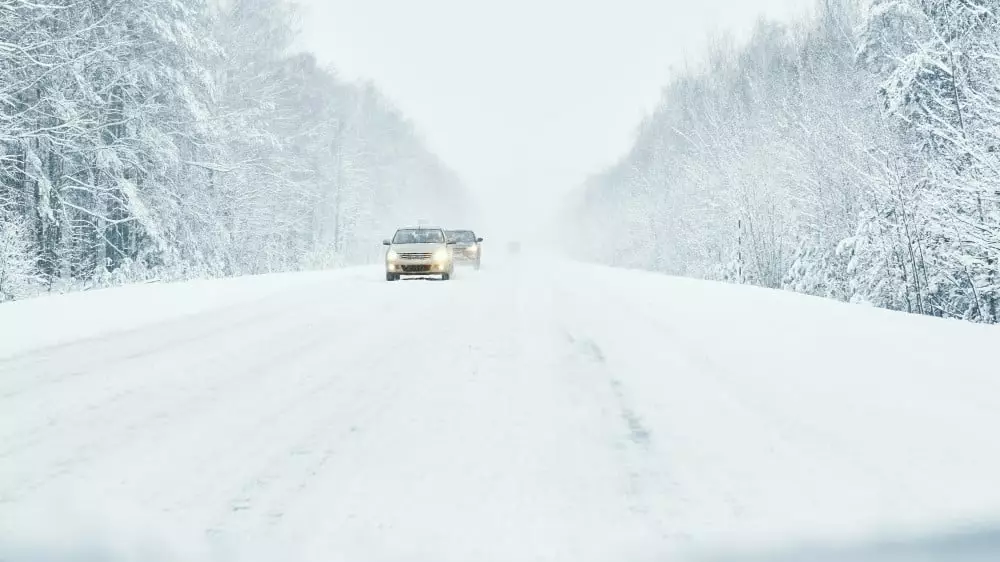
446, 277
391, 277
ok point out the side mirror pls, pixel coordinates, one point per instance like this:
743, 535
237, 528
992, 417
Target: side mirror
386, 242
478, 240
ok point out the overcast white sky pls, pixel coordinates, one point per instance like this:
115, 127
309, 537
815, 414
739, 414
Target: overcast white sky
523, 96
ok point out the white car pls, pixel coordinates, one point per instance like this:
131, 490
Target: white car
467, 248
419, 251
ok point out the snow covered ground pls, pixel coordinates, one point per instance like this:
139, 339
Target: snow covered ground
71, 317
572, 413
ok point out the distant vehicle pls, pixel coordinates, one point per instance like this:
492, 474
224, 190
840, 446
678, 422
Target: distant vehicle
418, 251
467, 247
514, 247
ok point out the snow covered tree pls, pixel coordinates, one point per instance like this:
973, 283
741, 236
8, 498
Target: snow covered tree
939, 64
180, 138
18, 262
853, 155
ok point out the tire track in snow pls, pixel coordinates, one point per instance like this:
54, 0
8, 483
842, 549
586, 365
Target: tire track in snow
404, 422
797, 432
648, 483
267, 493
273, 465
46, 365
812, 453
96, 443
637, 361
182, 383
78, 417
639, 434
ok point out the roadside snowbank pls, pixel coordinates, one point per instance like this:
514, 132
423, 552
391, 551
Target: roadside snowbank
48, 321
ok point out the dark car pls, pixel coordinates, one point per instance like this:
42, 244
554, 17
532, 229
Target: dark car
466, 246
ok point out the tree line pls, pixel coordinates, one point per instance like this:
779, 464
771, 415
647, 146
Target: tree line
854, 155
166, 139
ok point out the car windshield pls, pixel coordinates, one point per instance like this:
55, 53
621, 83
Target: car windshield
418, 236
462, 236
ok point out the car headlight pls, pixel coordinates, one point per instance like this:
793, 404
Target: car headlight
472, 250
391, 255
441, 255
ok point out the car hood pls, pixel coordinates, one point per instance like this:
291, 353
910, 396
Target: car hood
417, 248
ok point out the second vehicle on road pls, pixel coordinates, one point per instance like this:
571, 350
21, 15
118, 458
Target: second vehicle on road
467, 248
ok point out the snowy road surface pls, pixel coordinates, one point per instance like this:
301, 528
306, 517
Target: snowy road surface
577, 413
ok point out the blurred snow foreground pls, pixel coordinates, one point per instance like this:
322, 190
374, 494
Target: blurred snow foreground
570, 413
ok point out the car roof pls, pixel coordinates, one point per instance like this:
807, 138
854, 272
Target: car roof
425, 227
461, 230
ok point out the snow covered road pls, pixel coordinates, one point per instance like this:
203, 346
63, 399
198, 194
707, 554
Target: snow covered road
577, 413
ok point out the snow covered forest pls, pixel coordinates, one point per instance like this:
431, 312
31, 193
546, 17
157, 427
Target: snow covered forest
854, 155
165, 139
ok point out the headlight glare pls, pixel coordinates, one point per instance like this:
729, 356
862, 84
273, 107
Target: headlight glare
391, 255
441, 255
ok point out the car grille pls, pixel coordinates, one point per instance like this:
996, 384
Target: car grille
417, 256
